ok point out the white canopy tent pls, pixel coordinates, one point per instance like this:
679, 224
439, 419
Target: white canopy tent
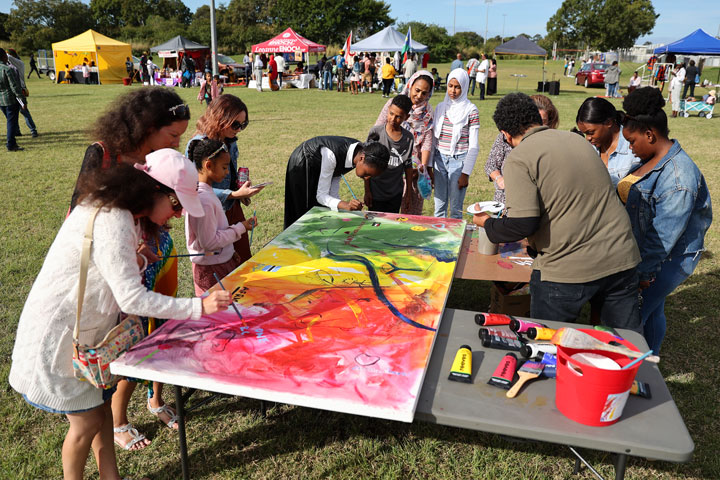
386, 40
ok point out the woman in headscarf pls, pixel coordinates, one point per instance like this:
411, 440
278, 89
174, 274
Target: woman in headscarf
420, 123
457, 125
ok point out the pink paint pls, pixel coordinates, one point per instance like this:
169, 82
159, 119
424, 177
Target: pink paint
505, 265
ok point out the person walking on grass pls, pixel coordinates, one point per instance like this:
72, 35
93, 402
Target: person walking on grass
12, 100
15, 62
33, 66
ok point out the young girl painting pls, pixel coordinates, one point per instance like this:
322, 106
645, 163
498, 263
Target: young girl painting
211, 234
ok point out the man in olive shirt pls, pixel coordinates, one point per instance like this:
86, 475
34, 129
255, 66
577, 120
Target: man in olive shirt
559, 195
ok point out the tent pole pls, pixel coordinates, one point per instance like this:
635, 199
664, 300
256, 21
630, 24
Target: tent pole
213, 38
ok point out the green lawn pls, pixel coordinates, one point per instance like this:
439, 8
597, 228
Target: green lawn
229, 438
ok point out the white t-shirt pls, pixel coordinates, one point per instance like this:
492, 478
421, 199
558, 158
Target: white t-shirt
483, 70
280, 60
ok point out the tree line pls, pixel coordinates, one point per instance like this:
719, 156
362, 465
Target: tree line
36, 24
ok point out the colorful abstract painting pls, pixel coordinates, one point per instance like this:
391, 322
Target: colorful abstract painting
339, 312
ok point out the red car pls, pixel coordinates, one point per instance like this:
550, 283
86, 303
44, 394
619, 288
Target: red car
591, 74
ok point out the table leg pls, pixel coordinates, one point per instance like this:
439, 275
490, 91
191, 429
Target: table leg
180, 410
620, 464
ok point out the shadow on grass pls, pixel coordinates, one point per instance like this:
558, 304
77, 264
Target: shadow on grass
67, 138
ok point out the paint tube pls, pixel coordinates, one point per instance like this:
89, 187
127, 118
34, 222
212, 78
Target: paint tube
535, 333
503, 375
522, 326
485, 319
461, 370
641, 389
550, 362
532, 350
500, 332
496, 341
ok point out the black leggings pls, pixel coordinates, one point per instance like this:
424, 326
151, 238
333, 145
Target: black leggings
387, 85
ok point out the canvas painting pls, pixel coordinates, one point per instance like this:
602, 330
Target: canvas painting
338, 312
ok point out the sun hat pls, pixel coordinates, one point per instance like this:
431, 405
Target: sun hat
173, 170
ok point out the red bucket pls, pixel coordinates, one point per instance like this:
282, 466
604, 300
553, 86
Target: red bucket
126, 81
590, 395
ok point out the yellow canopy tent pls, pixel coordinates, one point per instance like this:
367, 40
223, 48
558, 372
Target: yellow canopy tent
109, 55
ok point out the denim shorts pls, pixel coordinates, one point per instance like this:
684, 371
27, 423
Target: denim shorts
107, 394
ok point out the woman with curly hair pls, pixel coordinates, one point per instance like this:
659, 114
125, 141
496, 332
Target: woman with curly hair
669, 206
225, 117
41, 368
136, 124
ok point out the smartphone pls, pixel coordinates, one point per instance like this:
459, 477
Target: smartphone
259, 185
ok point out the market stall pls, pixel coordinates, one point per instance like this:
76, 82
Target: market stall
173, 51
109, 55
290, 42
387, 40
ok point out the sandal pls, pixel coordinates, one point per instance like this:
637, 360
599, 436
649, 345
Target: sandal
136, 436
167, 411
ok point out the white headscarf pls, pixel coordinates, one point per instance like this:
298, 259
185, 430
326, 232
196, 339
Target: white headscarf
457, 111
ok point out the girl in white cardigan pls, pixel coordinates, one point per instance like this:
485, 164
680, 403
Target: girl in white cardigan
42, 357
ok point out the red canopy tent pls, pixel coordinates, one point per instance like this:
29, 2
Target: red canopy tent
288, 42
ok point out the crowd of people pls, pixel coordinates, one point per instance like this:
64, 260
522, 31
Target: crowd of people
616, 210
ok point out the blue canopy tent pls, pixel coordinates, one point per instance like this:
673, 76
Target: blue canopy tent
386, 40
697, 43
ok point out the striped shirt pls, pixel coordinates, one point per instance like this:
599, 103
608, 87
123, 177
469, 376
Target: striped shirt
446, 134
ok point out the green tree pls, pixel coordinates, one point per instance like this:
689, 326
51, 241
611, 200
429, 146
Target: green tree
4, 33
114, 15
601, 24
465, 40
35, 24
330, 21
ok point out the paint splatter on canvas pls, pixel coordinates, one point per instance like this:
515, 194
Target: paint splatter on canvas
338, 312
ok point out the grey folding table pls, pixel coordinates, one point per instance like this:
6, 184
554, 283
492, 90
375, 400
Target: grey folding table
651, 428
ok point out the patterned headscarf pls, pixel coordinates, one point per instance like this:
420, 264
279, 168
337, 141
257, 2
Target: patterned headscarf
420, 121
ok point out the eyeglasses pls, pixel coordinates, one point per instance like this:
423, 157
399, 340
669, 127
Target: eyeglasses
180, 110
176, 205
223, 147
239, 126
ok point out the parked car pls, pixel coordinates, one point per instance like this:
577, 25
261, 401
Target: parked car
591, 74
228, 66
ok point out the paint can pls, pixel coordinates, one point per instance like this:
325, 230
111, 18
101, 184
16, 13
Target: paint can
588, 394
485, 246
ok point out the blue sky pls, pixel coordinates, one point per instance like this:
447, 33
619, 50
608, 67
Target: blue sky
527, 16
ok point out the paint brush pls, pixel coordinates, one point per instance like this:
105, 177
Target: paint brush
349, 188
637, 360
528, 371
233, 301
206, 254
572, 338
253, 229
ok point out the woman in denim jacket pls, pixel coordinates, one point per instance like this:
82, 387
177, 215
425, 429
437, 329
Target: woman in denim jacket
669, 206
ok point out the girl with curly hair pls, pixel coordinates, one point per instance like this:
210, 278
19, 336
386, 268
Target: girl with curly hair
225, 117
669, 206
136, 124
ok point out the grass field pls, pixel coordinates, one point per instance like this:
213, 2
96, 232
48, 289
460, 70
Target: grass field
229, 438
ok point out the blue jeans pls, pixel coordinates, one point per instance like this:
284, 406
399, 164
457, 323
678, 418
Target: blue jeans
28, 121
471, 85
616, 295
447, 194
11, 114
327, 80
672, 273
